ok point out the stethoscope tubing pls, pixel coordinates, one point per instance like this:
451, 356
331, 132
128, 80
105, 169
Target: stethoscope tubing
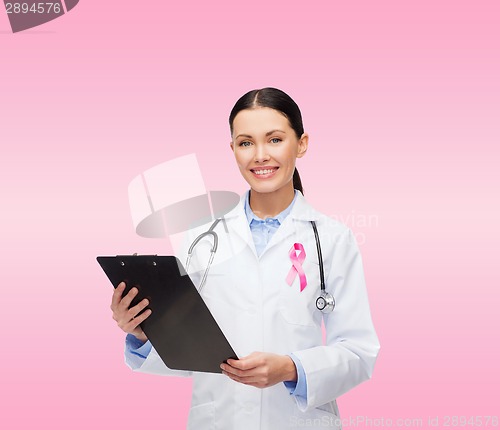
326, 299
209, 232
320, 256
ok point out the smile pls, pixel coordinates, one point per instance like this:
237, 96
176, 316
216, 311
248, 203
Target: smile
264, 171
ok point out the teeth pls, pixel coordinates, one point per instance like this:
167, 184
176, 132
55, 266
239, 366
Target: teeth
263, 172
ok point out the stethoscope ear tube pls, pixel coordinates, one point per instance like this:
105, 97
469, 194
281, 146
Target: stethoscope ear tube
209, 232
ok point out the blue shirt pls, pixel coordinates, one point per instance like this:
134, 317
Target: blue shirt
262, 232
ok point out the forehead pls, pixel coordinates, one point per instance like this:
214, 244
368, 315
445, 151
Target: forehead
259, 121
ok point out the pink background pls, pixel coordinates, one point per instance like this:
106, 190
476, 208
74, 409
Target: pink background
402, 104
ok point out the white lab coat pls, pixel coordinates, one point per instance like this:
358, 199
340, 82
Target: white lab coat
258, 311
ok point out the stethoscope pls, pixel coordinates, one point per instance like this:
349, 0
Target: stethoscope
325, 302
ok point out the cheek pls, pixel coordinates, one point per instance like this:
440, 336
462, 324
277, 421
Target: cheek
287, 161
285, 155
242, 159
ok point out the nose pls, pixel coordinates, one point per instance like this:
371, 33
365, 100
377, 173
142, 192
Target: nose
261, 155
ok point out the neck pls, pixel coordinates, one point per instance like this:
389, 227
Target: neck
268, 205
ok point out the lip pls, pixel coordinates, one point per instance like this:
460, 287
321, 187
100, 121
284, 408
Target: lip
273, 169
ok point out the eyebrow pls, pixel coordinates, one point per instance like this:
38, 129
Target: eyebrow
267, 134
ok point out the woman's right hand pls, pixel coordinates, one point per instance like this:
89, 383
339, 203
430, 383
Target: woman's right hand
125, 317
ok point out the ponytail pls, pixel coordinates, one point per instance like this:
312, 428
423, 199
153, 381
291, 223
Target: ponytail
297, 183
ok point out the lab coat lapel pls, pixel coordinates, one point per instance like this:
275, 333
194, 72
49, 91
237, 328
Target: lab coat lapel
301, 211
239, 230
285, 230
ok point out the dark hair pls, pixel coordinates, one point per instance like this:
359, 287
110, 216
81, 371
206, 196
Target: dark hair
275, 99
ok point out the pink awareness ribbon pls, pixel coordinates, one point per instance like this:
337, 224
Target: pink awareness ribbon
297, 265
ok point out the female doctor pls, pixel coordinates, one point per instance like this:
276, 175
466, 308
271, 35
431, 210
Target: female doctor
263, 288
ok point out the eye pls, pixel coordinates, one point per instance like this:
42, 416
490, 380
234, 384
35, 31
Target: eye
275, 138
245, 143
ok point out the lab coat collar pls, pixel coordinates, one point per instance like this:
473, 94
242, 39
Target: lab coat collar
301, 211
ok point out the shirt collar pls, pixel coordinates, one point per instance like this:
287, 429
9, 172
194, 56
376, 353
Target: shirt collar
280, 217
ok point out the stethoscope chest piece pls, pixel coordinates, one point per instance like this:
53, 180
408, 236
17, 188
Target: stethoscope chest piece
325, 302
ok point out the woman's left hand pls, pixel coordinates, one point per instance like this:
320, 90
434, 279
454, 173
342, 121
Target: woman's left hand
261, 369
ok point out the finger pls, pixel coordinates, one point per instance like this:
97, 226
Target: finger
248, 380
245, 363
130, 325
117, 295
136, 321
125, 302
132, 312
231, 371
240, 373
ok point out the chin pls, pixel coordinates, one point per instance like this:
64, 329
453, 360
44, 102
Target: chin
264, 188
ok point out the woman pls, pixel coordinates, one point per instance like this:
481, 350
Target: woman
264, 294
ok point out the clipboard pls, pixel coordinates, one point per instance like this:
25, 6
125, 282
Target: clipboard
180, 327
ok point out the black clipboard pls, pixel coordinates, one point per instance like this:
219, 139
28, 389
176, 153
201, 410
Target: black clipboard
180, 327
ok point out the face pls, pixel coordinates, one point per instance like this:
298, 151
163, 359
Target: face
265, 147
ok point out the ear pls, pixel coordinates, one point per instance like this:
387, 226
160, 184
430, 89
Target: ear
231, 145
303, 143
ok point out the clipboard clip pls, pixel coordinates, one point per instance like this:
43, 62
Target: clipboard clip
123, 257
